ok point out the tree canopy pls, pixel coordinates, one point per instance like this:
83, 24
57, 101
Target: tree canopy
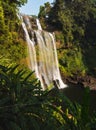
9, 25
75, 18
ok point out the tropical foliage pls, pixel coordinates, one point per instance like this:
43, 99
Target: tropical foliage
73, 17
24, 106
11, 44
74, 24
44, 13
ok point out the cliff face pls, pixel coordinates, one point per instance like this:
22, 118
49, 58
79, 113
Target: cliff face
81, 81
68, 55
42, 44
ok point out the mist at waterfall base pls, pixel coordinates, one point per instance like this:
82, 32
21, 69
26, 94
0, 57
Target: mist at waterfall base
42, 55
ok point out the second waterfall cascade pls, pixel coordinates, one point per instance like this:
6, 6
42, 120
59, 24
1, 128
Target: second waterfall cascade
42, 54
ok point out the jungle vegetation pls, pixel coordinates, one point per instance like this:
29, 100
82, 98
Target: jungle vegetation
74, 24
23, 104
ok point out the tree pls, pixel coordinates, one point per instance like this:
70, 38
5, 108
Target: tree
2, 22
44, 14
54, 17
41, 12
44, 10
10, 8
72, 17
10, 41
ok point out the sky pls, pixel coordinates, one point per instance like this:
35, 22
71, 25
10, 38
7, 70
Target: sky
32, 6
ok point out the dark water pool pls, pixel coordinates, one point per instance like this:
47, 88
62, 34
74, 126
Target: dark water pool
76, 93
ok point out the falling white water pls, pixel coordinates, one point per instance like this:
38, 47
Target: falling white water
38, 24
31, 50
46, 69
57, 76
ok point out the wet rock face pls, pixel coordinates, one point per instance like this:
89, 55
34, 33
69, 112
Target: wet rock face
42, 54
90, 81
86, 81
32, 20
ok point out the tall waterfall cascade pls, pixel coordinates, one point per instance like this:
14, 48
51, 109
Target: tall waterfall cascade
42, 55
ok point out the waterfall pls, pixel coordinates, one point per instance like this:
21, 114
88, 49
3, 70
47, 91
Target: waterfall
43, 55
38, 24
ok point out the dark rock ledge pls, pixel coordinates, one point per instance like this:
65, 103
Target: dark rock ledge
86, 81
